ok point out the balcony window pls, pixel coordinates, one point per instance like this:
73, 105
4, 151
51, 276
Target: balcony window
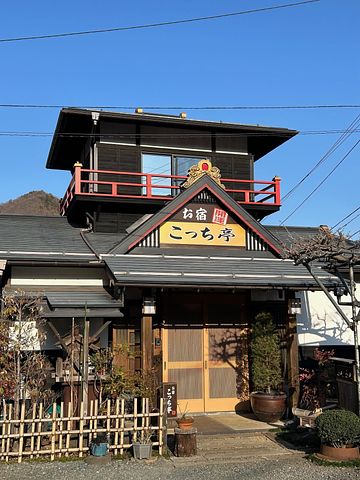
158, 164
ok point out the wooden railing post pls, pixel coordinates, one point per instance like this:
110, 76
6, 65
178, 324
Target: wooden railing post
148, 185
277, 181
77, 177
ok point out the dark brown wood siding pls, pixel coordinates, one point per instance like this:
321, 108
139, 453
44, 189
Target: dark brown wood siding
119, 158
231, 142
114, 222
237, 167
175, 137
115, 131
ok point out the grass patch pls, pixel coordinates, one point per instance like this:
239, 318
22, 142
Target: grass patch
331, 463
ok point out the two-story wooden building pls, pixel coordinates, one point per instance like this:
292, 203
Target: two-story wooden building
160, 237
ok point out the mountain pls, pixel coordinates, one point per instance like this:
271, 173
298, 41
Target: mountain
32, 203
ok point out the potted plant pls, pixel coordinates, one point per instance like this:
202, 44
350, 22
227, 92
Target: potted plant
184, 421
143, 448
99, 445
339, 432
267, 402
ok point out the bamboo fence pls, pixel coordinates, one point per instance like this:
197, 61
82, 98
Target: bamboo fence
37, 433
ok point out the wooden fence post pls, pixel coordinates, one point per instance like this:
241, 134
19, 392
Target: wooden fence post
21, 431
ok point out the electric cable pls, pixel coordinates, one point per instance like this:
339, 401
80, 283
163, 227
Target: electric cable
344, 218
344, 136
172, 135
157, 24
181, 107
321, 183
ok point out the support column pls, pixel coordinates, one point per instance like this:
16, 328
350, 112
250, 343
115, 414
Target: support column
146, 342
292, 355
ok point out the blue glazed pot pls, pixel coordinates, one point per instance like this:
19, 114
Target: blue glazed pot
99, 450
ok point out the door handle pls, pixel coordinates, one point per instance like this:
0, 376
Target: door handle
164, 365
205, 364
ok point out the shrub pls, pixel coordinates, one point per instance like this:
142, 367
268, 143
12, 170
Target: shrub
338, 428
265, 353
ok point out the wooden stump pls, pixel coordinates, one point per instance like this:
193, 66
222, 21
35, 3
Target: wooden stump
185, 442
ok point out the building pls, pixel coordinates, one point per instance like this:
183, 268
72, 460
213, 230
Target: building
160, 240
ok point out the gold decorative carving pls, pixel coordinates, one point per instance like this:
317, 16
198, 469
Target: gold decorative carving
204, 167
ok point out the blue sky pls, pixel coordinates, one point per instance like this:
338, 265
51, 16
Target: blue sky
296, 56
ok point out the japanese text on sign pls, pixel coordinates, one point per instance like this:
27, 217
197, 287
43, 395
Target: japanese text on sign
170, 398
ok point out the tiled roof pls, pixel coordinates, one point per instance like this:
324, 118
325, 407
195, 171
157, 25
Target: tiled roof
27, 237
202, 270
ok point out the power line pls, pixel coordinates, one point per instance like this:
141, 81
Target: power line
119, 136
353, 235
347, 216
157, 24
321, 183
350, 221
182, 107
333, 148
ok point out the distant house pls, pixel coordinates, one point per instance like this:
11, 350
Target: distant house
160, 241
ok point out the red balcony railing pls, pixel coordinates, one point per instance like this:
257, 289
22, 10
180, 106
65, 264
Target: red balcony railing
152, 186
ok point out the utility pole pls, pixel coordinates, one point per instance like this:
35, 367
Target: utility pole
355, 319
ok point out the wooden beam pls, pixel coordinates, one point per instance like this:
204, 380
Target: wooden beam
99, 331
292, 356
85, 364
146, 342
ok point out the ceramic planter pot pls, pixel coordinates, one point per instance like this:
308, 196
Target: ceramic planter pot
185, 423
99, 450
340, 454
268, 408
142, 450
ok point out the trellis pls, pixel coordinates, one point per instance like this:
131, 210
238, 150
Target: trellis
37, 433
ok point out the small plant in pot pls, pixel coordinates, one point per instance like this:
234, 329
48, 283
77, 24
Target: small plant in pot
99, 445
184, 421
142, 449
267, 402
339, 432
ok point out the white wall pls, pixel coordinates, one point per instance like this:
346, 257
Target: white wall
320, 324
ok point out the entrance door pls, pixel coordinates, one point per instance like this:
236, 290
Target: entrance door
224, 373
183, 363
209, 367
209, 362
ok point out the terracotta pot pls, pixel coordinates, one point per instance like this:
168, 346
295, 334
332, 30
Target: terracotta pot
268, 408
185, 423
340, 454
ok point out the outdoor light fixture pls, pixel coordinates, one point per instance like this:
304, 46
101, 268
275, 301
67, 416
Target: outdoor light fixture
339, 291
149, 307
294, 306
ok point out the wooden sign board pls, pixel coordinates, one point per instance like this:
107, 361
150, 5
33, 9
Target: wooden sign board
202, 224
170, 399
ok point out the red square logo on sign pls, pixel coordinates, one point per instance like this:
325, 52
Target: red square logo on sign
220, 216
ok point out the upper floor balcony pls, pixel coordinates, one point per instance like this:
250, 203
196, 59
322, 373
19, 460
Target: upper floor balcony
132, 187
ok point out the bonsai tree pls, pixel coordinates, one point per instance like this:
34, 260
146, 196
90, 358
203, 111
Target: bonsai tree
265, 354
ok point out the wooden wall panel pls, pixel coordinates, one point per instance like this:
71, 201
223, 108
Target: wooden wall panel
185, 345
189, 382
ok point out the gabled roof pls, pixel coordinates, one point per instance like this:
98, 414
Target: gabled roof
204, 183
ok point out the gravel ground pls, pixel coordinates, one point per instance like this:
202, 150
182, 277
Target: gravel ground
281, 468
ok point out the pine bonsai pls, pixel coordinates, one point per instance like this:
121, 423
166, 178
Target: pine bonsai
265, 354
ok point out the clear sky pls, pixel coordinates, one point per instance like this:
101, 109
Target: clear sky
305, 55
